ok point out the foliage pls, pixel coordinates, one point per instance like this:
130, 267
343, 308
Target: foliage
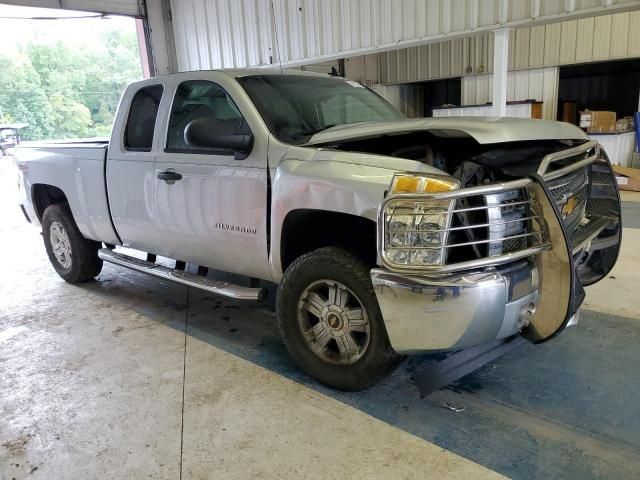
23, 98
68, 93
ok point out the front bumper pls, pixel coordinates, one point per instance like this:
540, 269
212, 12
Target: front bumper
456, 311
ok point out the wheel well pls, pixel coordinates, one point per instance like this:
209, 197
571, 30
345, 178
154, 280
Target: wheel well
306, 230
45, 195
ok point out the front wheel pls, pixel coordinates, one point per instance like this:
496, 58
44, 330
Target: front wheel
330, 321
73, 257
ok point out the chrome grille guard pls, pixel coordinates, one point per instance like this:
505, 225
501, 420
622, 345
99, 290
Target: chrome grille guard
554, 166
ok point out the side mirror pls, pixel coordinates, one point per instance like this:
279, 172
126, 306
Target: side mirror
204, 134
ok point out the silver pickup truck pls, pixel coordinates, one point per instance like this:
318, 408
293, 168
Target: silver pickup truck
386, 235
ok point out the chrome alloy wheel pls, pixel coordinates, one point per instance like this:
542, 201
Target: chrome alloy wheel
333, 322
60, 244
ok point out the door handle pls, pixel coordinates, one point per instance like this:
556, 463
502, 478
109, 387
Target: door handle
169, 176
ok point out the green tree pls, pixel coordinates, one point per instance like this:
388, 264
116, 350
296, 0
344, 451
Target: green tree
71, 119
61, 69
23, 98
65, 92
110, 69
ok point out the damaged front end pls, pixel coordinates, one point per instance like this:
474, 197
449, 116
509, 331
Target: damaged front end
464, 266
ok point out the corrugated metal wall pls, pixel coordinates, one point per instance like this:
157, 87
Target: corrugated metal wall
239, 33
590, 39
452, 58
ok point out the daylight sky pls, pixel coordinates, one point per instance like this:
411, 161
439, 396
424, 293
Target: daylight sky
73, 32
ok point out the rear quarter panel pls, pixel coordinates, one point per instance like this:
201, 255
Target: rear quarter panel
77, 170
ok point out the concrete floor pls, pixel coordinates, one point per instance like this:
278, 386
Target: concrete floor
130, 377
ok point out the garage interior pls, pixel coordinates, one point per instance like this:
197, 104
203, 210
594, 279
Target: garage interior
129, 376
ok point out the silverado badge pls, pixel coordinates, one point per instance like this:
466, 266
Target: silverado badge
235, 228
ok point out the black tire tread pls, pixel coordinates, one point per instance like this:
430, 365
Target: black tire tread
85, 263
385, 359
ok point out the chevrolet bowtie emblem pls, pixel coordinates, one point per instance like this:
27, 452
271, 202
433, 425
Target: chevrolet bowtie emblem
570, 206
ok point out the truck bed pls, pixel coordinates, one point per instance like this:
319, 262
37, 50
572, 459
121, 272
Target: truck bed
77, 167
83, 142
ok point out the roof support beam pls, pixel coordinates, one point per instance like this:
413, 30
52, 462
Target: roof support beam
535, 8
500, 65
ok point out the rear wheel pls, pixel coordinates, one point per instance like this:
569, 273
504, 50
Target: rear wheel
330, 320
73, 257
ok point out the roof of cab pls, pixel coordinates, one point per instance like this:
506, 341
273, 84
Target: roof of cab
232, 73
243, 72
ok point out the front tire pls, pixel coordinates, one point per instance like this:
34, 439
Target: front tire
73, 257
330, 320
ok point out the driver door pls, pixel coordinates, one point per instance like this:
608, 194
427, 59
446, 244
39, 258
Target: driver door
211, 207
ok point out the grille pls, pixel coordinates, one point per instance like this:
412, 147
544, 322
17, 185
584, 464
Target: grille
601, 178
514, 244
564, 187
570, 193
508, 221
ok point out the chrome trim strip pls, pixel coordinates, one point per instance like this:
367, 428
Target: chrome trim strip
468, 265
570, 152
463, 192
218, 287
570, 168
460, 210
493, 261
478, 225
466, 244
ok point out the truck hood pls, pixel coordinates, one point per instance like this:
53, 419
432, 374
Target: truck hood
483, 129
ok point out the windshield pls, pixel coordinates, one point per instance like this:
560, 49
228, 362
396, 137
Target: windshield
295, 107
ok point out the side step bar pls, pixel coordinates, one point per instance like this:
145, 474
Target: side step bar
218, 287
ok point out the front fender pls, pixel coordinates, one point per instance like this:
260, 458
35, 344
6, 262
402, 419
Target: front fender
323, 185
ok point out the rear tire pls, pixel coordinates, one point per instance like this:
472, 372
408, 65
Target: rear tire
73, 257
330, 320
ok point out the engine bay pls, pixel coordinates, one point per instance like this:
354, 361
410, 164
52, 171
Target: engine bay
474, 164
462, 157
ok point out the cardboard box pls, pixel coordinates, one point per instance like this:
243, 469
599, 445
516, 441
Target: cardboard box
627, 178
598, 121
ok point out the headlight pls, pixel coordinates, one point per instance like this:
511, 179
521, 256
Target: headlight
416, 228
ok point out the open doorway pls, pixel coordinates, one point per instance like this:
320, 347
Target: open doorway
438, 93
63, 71
610, 90
611, 86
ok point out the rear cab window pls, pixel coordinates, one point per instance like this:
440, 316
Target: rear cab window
138, 134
